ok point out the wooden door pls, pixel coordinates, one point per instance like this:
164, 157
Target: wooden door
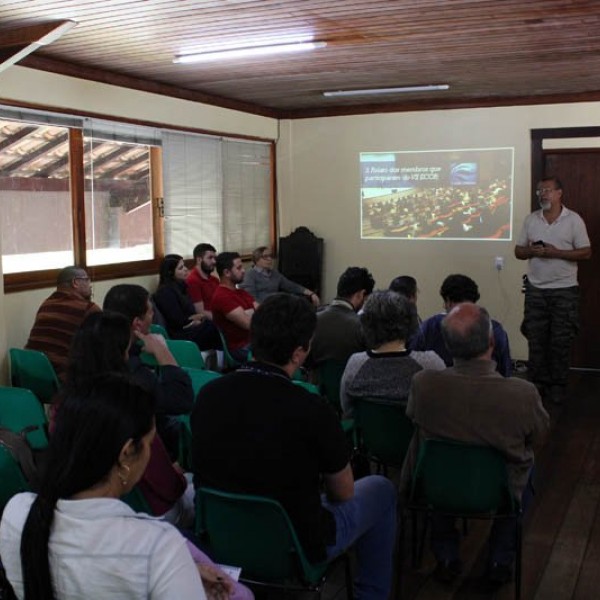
579, 172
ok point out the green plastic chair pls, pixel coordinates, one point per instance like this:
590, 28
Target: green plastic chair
199, 379
32, 370
330, 377
21, 411
156, 328
347, 424
12, 480
137, 501
383, 431
300, 375
464, 481
230, 362
256, 534
309, 387
186, 353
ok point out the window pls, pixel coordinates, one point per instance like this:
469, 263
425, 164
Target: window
217, 191
35, 221
86, 191
118, 202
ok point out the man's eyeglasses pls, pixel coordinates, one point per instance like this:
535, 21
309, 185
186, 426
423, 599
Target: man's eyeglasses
543, 191
266, 256
81, 278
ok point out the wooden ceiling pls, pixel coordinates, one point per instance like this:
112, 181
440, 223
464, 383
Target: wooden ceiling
489, 52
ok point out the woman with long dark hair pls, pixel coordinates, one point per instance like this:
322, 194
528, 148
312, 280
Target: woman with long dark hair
101, 346
177, 308
76, 538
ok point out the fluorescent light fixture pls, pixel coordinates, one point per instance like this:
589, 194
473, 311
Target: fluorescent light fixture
394, 90
249, 51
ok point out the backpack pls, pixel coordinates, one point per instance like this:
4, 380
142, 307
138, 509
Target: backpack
28, 459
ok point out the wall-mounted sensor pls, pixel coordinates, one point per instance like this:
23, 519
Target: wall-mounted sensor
499, 263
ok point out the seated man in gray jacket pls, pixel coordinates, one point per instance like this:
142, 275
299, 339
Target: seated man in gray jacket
262, 279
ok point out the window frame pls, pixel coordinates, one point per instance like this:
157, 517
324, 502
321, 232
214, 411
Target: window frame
30, 280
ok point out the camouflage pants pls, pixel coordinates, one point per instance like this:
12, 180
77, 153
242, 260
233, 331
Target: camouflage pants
550, 324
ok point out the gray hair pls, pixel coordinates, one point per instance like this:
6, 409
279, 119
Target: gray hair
66, 276
387, 316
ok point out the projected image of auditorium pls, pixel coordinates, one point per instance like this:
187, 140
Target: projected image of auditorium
443, 194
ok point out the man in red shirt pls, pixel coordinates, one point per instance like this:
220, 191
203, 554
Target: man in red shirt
201, 284
233, 308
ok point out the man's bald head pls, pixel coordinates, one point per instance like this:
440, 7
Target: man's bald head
467, 331
75, 279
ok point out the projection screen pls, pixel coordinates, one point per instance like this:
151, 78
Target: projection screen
464, 194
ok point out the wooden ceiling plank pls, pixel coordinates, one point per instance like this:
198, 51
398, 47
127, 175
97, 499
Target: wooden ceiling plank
23, 36
31, 156
370, 43
53, 167
16, 137
109, 174
102, 160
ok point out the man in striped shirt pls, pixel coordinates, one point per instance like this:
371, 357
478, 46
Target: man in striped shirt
60, 315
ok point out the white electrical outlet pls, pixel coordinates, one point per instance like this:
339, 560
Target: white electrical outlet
499, 263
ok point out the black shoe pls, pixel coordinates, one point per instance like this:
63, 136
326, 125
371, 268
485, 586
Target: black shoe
499, 574
446, 571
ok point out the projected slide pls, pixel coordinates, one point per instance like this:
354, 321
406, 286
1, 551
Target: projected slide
437, 195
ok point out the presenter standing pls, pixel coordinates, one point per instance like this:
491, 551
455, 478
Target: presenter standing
552, 239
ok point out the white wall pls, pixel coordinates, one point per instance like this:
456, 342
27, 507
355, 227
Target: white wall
319, 182
50, 90
20, 308
319, 187
19, 84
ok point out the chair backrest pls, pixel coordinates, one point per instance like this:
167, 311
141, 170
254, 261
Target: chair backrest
252, 532
200, 377
136, 500
330, 377
230, 362
186, 353
19, 410
156, 328
384, 429
33, 370
461, 478
12, 480
309, 387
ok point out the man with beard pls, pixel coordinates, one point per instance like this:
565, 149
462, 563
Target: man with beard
552, 239
233, 308
201, 284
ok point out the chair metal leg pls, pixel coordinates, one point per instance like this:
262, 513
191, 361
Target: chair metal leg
518, 555
413, 517
426, 522
349, 578
418, 541
401, 537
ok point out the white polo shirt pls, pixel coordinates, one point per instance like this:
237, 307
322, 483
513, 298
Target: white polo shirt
568, 232
100, 548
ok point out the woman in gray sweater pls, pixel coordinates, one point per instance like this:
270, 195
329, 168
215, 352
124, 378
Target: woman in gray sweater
386, 369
